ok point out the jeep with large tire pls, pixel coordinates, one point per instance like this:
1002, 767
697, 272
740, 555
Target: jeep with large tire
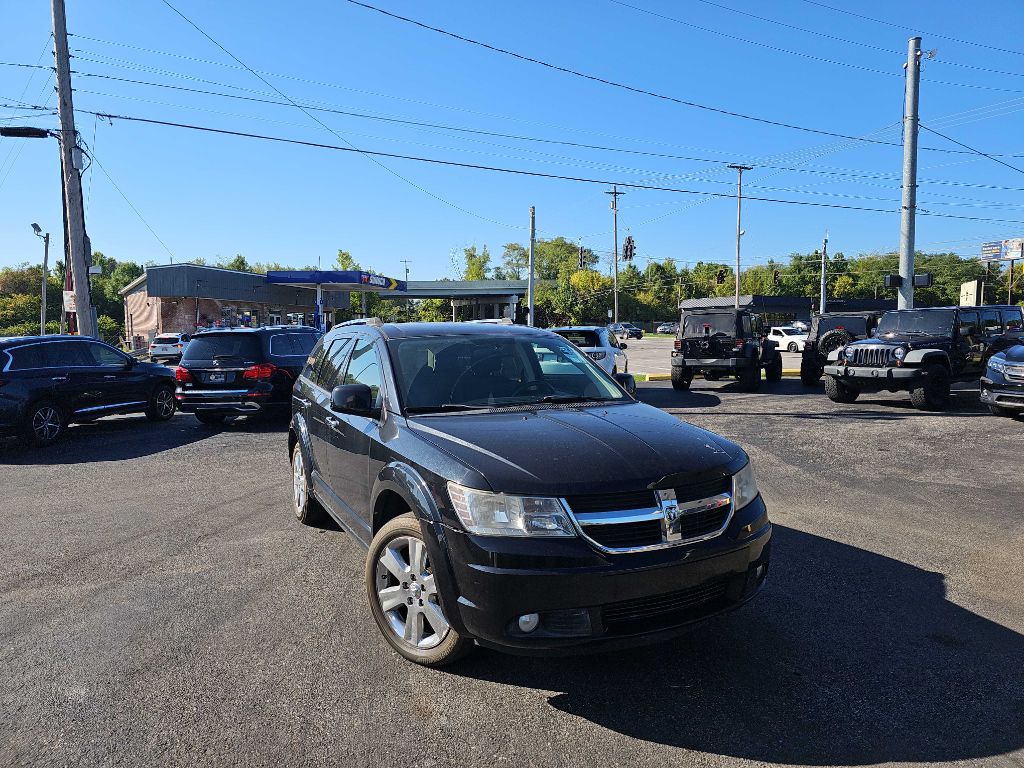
830, 331
922, 351
724, 342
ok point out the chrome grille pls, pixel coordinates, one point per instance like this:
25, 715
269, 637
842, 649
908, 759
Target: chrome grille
872, 357
1014, 373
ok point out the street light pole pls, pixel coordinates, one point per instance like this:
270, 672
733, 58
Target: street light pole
46, 274
739, 232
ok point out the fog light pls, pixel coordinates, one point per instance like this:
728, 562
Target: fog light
529, 622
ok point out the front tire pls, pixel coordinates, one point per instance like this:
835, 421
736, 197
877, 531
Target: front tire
794, 347
838, 392
810, 375
404, 599
933, 393
43, 425
773, 372
750, 378
162, 404
681, 378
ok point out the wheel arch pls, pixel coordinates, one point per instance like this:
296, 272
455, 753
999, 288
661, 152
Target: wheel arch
398, 489
924, 356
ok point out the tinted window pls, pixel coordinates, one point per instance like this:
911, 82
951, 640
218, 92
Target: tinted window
292, 344
581, 338
104, 355
26, 358
244, 346
1012, 319
725, 324
968, 319
855, 325
364, 368
316, 357
990, 322
924, 322
166, 339
330, 373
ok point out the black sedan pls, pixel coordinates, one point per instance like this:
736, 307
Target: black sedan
48, 382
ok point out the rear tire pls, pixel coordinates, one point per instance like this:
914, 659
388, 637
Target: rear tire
794, 347
933, 393
162, 404
399, 573
773, 372
210, 418
810, 375
750, 378
838, 392
43, 424
681, 378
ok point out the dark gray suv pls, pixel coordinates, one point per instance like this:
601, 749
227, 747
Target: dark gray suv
512, 494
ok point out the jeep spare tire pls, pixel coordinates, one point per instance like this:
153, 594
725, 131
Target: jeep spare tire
833, 340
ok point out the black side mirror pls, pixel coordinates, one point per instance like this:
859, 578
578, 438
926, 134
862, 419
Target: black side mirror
129, 363
627, 382
186, 337
356, 399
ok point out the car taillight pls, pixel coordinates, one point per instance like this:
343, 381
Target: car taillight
182, 375
259, 372
179, 346
739, 344
677, 344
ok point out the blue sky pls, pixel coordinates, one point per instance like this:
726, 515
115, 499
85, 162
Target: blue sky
211, 196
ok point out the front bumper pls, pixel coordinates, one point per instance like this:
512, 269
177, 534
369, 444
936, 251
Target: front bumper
589, 600
1002, 394
864, 377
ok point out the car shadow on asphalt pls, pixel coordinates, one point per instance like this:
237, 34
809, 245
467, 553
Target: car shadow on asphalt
846, 658
666, 397
125, 437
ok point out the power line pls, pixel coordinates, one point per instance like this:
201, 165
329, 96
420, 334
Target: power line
521, 172
972, 149
326, 127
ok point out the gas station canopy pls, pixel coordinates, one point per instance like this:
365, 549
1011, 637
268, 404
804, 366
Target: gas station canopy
335, 280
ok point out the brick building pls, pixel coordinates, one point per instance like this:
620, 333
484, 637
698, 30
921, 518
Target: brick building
178, 298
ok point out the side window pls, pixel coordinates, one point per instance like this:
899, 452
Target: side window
26, 358
333, 366
968, 319
316, 357
364, 368
990, 322
103, 355
748, 325
1012, 320
612, 341
61, 354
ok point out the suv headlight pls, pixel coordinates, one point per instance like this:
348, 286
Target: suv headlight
597, 355
899, 353
849, 352
498, 514
997, 365
744, 487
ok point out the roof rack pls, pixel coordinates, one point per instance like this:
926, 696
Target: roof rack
374, 322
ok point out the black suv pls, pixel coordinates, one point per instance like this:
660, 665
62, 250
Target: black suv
511, 493
724, 342
830, 331
48, 382
922, 351
242, 371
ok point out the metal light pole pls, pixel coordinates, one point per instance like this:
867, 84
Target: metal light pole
739, 232
529, 278
615, 256
46, 273
908, 212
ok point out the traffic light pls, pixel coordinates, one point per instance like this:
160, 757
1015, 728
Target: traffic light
720, 277
583, 258
628, 249
775, 277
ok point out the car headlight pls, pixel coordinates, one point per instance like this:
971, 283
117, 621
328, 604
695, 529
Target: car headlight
744, 487
498, 514
597, 355
997, 365
899, 353
849, 352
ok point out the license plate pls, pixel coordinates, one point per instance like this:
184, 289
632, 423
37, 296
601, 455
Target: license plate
216, 378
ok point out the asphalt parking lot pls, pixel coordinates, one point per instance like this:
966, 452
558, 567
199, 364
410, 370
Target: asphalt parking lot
159, 605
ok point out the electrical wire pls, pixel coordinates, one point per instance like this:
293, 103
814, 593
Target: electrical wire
972, 149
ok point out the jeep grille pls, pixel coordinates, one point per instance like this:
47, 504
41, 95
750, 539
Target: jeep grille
872, 357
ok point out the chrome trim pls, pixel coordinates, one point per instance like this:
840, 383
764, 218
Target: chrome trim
222, 392
94, 408
644, 514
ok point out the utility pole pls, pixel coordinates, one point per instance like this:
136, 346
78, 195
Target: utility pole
824, 261
529, 277
908, 211
408, 302
615, 253
46, 273
739, 232
75, 231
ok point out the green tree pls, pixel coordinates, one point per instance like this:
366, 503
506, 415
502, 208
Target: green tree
477, 264
238, 263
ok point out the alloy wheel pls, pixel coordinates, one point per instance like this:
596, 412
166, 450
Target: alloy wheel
46, 423
407, 594
165, 403
298, 483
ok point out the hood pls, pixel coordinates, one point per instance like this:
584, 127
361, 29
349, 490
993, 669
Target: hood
568, 451
909, 341
1015, 354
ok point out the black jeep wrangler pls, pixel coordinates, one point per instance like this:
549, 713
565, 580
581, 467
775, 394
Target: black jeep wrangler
922, 351
830, 331
724, 342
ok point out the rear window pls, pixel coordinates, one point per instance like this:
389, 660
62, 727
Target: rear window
245, 346
693, 325
858, 326
581, 338
166, 339
1012, 319
292, 344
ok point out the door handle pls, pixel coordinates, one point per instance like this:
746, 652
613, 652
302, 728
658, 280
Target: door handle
333, 423
59, 378
110, 376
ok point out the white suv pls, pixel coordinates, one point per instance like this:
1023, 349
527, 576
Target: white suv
788, 338
600, 345
168, 346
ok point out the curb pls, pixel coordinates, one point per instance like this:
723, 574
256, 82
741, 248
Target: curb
667, 377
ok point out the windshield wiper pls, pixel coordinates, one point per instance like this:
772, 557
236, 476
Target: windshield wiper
442, 407
570, 399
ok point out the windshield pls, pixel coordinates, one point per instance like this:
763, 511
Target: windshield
581, 338
717, 325
450, 373
917, 323
858, 326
